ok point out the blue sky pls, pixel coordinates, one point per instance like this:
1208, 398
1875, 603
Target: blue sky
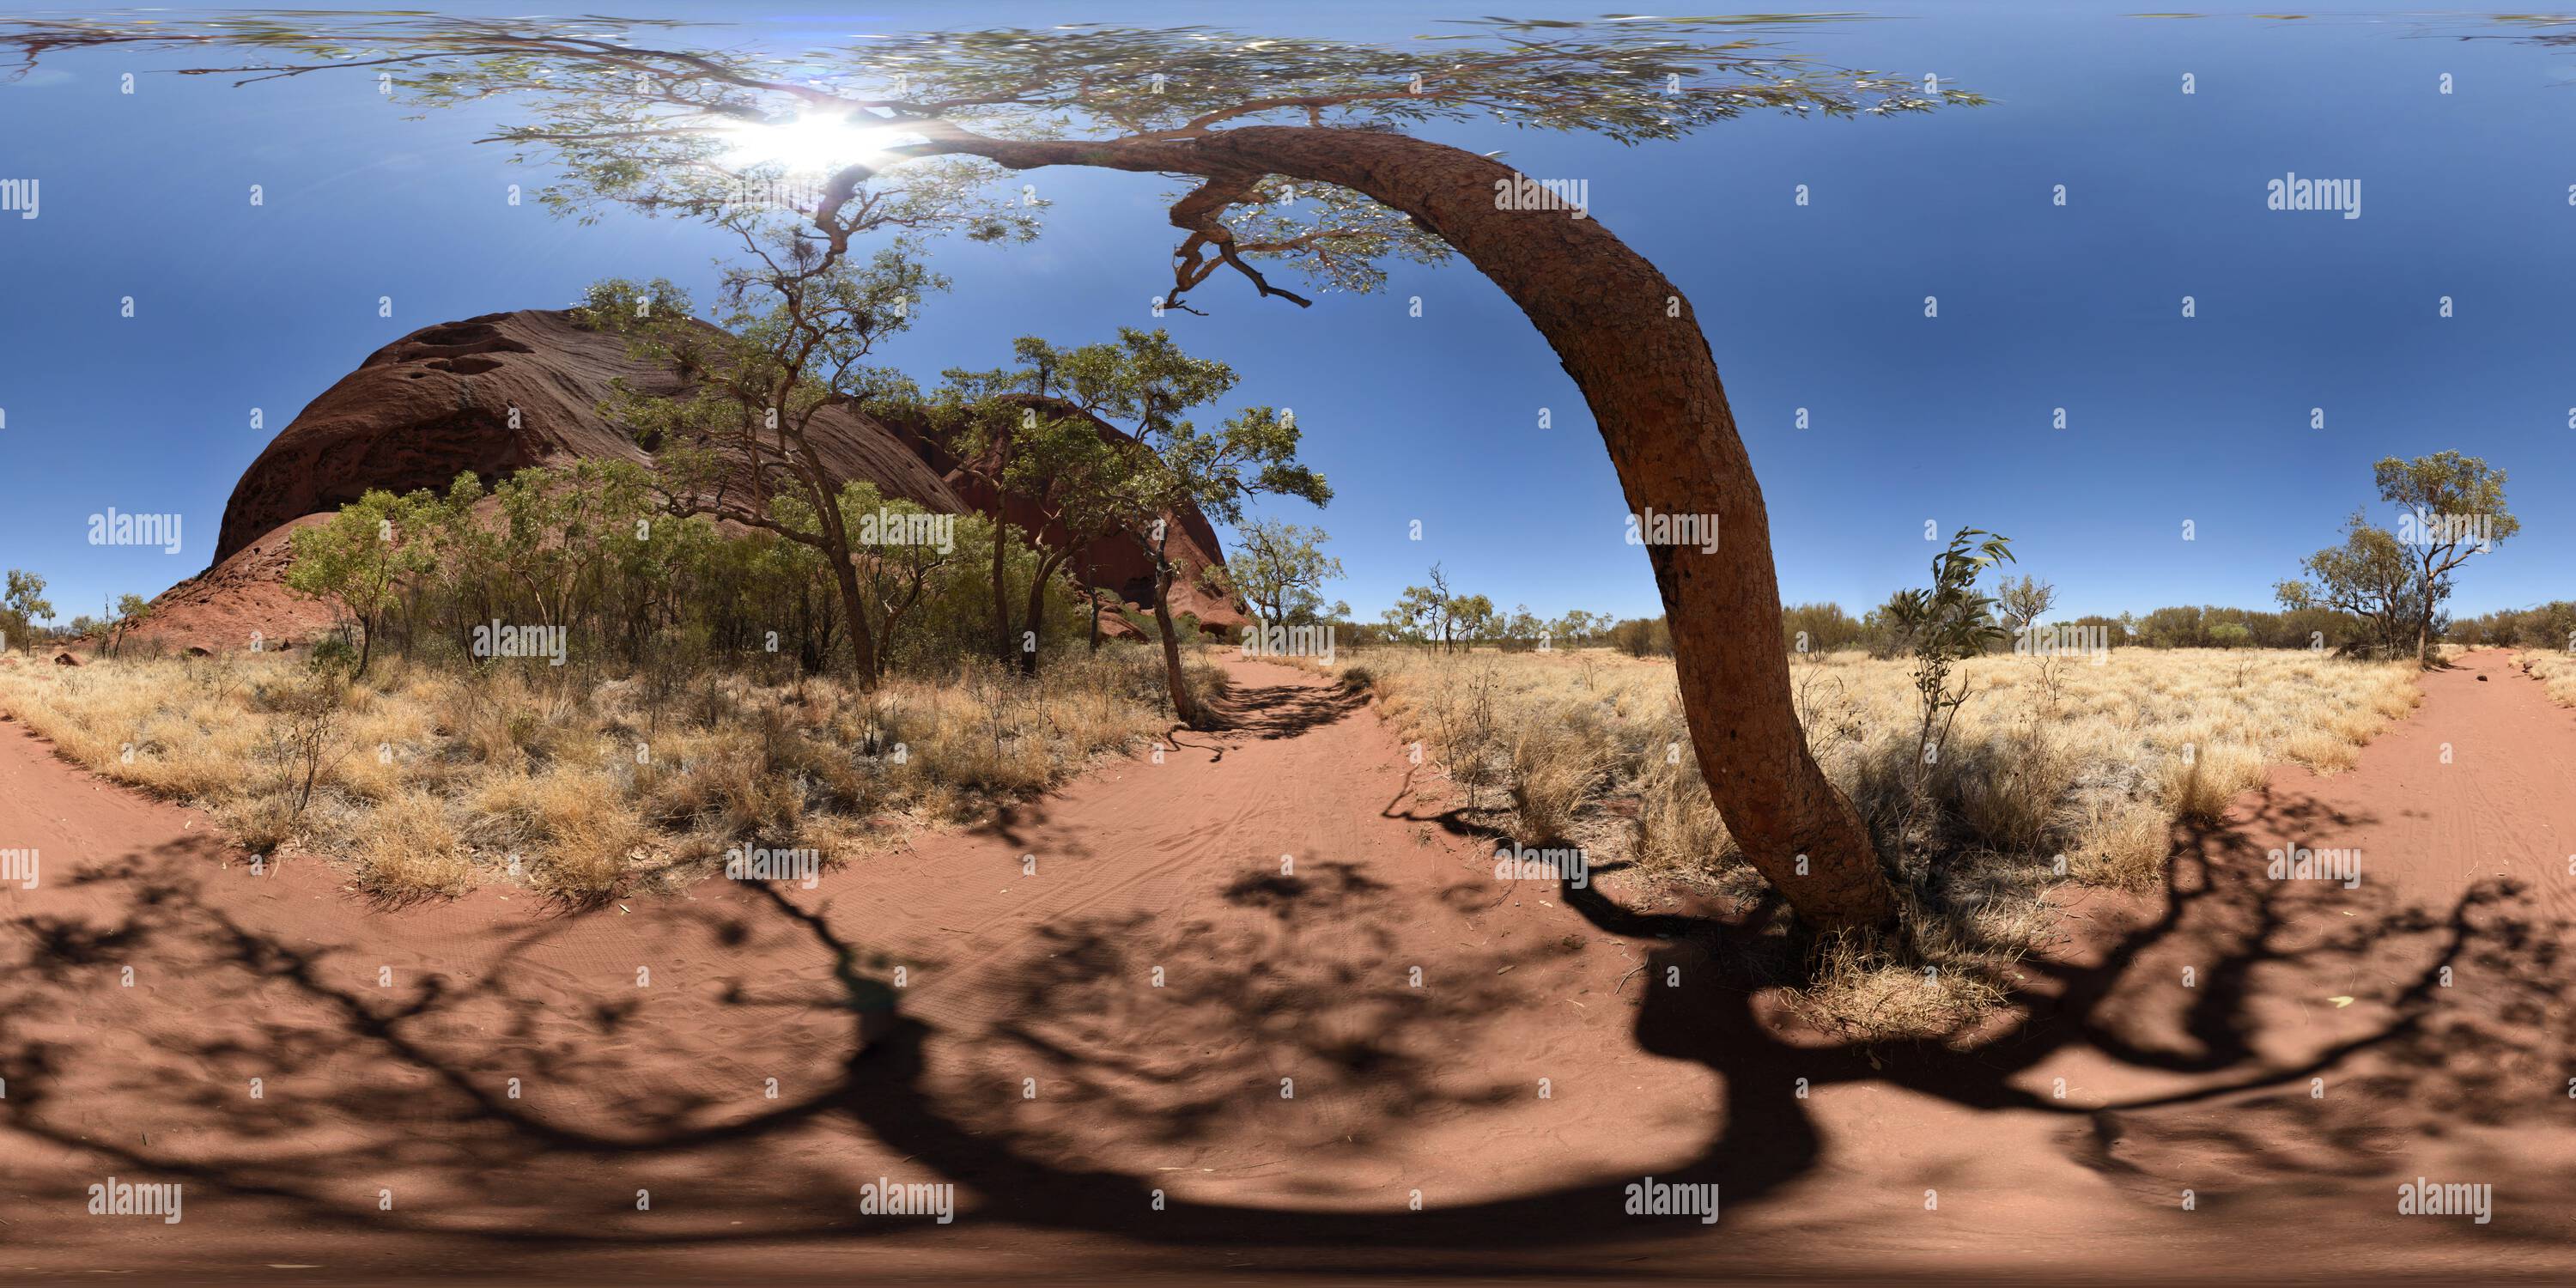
1435, 418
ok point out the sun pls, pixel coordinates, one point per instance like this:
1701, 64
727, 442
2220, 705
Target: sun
809, 144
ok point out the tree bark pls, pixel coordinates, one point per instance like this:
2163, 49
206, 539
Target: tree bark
1186, 710
832, 541
1001, 581
2424, 622
1634, 348
863, 653
1093, 590
1037, 610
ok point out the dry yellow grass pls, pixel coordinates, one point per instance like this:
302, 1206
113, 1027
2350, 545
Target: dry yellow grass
2054, 770
429, 782
2552, 668
409, 850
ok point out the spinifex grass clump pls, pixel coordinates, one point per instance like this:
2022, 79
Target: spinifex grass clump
2058, 770
2556, 669
430, 780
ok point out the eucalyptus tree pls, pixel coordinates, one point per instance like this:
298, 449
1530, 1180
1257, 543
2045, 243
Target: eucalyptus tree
127, 617
2451, 507
1299, 155
1162, 466
2371, 576
1033, 433
1279, 567
2024, 602
737, 438
1426, 613
359, 558
22, 606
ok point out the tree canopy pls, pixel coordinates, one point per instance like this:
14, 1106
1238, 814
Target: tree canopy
915, 131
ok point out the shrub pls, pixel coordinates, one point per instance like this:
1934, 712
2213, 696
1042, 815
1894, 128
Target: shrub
2080, 760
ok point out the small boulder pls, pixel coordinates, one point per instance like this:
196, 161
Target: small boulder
65, 659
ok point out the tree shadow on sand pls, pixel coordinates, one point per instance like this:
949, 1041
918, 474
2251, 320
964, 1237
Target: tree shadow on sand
1274, 711
412, 1088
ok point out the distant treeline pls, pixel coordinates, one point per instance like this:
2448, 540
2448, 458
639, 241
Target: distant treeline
2551, 625
2378, 593
1827, 627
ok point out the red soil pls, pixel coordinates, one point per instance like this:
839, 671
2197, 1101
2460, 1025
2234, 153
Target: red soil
1044, 984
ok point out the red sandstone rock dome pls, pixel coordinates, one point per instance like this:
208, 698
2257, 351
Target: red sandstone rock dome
440, 402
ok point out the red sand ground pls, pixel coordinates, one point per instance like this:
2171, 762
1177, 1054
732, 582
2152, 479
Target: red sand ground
1040, 1070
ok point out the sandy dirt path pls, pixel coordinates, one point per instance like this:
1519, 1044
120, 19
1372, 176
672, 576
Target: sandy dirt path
1262, 1008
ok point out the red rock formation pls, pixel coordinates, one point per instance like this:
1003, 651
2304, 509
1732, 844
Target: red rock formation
1119, 564
505, 391
495, 394
241, 602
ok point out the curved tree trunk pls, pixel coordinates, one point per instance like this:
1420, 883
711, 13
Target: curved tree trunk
1183, 708
1631, 343
1633, 346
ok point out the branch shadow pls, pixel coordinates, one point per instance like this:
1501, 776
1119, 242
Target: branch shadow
1177, 1036
1276, 711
